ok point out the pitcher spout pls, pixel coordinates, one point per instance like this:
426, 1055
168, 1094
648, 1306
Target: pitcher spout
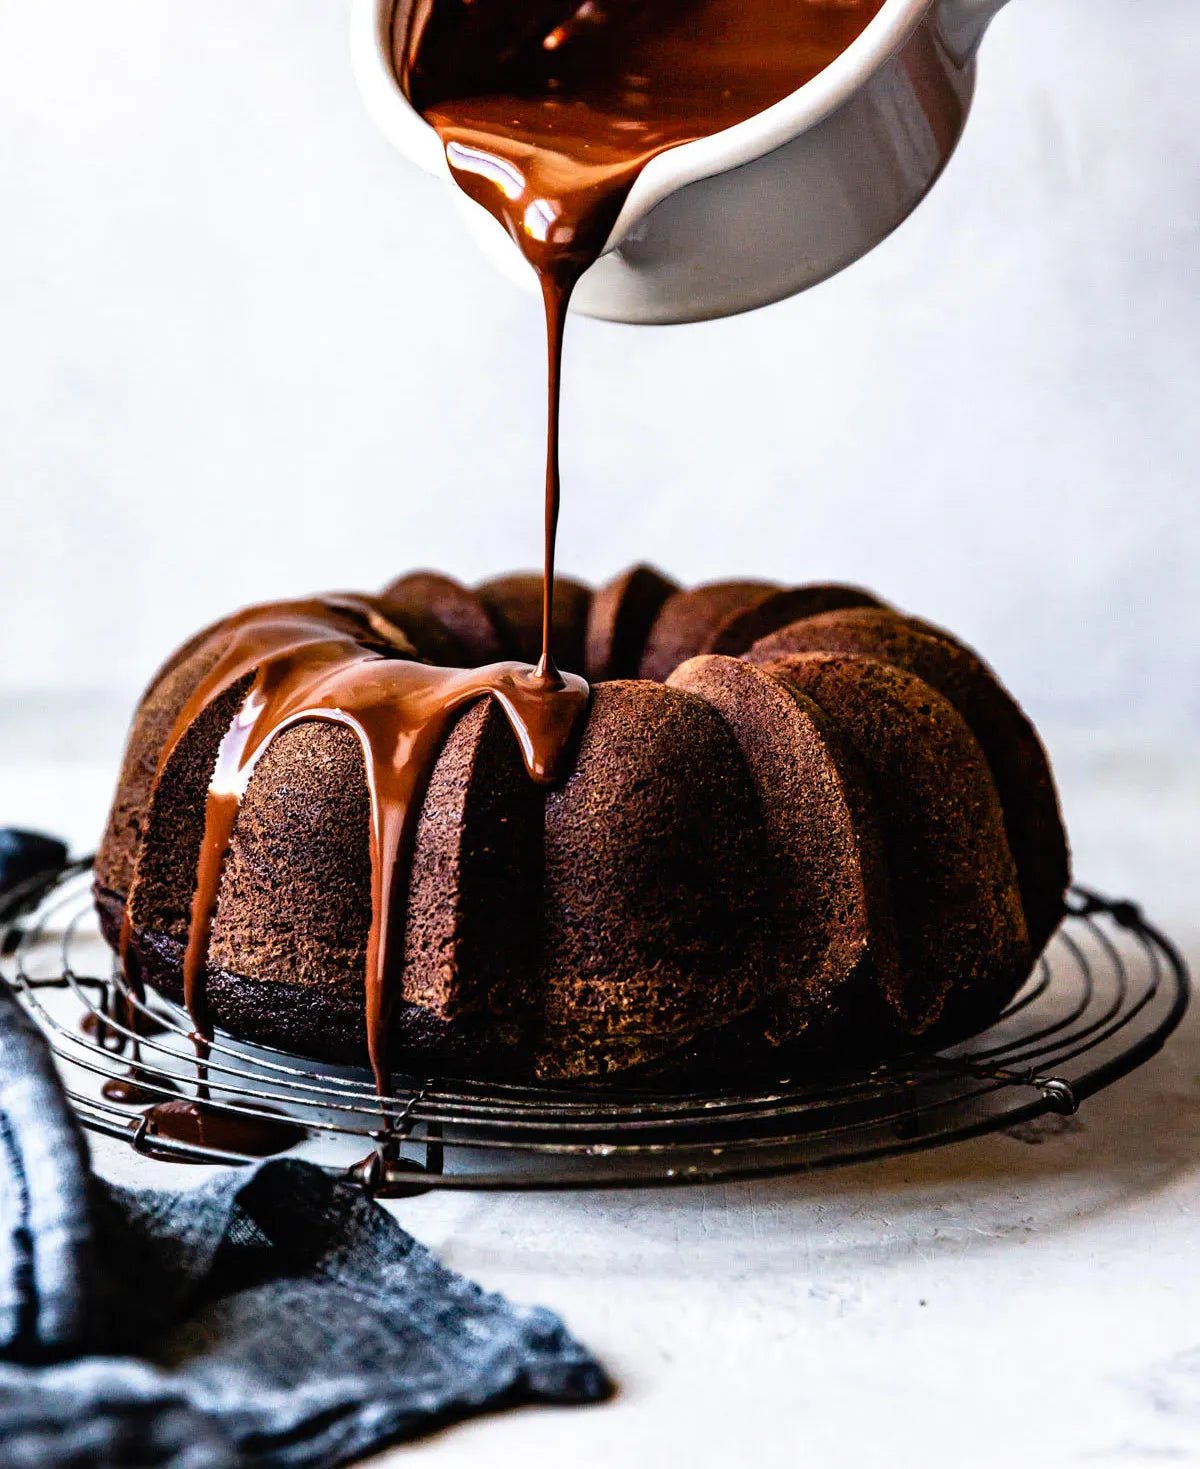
962, 23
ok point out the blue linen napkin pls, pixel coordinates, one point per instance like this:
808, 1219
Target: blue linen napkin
270, 1317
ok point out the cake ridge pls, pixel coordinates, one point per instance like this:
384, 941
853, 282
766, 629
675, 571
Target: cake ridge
305, 666
794, 842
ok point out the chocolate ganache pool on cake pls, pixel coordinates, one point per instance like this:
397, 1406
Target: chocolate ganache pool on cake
403, 829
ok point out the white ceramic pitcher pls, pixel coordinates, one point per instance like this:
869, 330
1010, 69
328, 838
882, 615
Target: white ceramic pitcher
768, 207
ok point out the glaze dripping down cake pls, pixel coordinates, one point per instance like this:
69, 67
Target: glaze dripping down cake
783, 820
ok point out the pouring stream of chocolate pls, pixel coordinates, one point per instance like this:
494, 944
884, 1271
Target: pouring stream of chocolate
548, 110
548, 113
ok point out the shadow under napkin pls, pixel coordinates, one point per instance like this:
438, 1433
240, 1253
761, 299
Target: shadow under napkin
270, 1317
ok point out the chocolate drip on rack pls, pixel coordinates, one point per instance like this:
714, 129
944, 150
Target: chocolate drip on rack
231, 1129
102, 1025
130, 1090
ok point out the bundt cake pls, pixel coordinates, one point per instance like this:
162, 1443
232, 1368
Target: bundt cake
782, 820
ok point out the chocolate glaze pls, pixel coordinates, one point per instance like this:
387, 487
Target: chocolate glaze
101, 1024
119, 1024
548, 111
130, 1091
339, 659
228, 1129
98, 1025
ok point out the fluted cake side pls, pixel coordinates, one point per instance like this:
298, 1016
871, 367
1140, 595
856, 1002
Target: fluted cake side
791, 819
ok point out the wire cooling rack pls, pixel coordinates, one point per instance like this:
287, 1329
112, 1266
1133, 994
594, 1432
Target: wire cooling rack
1103, 999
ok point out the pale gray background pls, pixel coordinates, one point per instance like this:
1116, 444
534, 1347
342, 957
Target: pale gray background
234, 327
225, 306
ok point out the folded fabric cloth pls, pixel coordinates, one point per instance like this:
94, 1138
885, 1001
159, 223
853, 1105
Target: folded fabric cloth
272, 1316
25, 855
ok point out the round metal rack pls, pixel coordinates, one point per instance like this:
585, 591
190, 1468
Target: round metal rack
1103, 999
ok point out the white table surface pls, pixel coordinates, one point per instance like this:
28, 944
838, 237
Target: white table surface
1019, 1300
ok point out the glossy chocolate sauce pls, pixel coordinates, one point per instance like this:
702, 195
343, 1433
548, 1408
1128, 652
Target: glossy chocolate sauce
117, 1014
548, 112
225, 1130
340, 660
129, 1090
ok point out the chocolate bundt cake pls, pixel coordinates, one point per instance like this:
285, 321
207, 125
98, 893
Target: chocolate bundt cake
781, 820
